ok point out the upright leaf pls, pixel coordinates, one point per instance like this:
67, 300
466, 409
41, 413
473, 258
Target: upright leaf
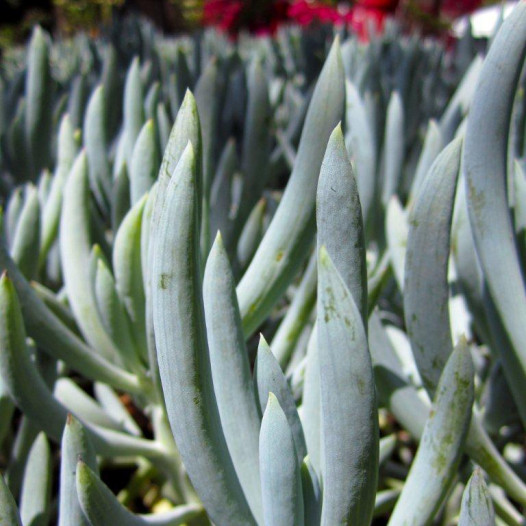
280, 470
426, 290
38, 95
270, 379
144, 165
96, 143
440, 449
26, 241
231, 375
394, 147
9, 515
360, 143
35, 497
477, 507
182, 349
339, 219
75, 444
75, 247
348, 403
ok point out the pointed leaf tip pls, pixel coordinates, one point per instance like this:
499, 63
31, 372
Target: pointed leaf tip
272, 401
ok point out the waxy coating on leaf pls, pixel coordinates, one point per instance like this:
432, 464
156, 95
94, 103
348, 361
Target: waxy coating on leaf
180, 336
477, 506
348, 403
485, 162
280, 469
160, 350
441, 446
290, 234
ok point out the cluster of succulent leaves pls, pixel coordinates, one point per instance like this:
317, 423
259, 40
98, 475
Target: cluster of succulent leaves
366, 217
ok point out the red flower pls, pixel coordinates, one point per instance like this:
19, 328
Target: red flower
378, 5
364, 19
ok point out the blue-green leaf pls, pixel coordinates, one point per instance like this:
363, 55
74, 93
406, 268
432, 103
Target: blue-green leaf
38, 96
231, 375
182, 349
256, 142
426, 290
128, 268
75, 247
251, 234
310, 410
297, 315
145, 162
348, 403
101, 507
339, 219
394, 147
280, 470
66, 152
360, 143
440, 449
35, 496
96, 143
31, 394
270, 379
485, 164
290, 234
477, 507
26, 240
312, 494
397, 229
75, 444
133, 115
433, 145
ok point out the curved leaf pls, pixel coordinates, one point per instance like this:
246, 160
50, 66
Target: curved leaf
310, 410
26, 240
75, 247
348, 403
96, 144
289, 236
128, 268
426, 290
66, 152
485, 164
181, 339
133, 114
31, 394
102, 508
231, 375
38, 96
393, 153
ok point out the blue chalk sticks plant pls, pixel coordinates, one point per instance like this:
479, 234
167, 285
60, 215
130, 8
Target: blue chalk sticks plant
233, 296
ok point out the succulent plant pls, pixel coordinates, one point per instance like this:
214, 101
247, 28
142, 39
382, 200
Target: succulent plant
140, 258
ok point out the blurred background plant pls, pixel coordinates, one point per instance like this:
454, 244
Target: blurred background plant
66, 17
